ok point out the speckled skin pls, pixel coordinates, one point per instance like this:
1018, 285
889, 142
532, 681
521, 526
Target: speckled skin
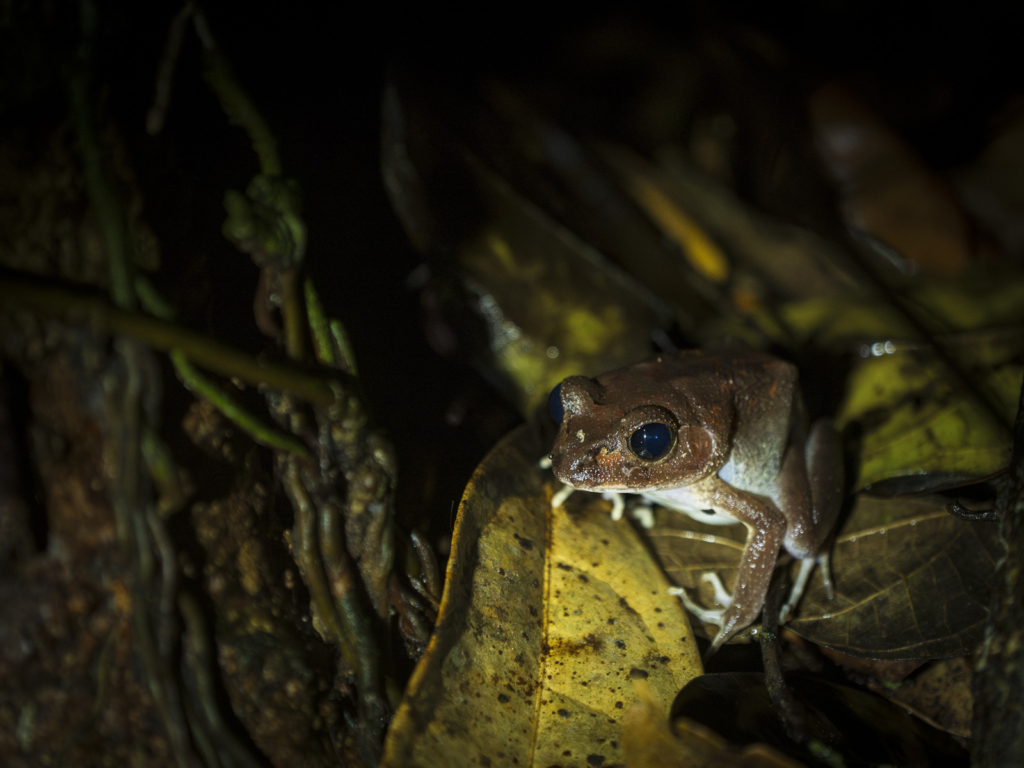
737, 456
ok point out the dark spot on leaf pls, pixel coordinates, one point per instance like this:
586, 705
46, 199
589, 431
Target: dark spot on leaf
637, 674
661, 624
503, 698
594, 565
595, 760
611, 621
583, 578
563, 566
605, 542
620, 645
664, 659
563, 713
567, 753
627, 606
618, 705
657, 610
534, 583
485, 760
524, 543
501, 571
533, 611
615, 744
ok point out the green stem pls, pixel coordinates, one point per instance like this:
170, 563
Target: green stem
241, 111
319, 327
262, 433
102, 196
212, 355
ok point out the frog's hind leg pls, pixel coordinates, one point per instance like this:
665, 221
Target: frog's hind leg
824, 456
824, 452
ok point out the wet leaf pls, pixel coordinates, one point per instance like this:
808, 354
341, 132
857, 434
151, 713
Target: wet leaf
872, 730
544, 617
915, 423
911, 581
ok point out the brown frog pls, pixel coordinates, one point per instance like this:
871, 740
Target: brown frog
721, 437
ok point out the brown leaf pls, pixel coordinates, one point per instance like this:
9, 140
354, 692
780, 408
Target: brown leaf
543, 618
688, 549
886, 190
911, 581
939, 694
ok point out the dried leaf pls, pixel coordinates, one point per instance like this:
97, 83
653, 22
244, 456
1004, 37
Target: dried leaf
688, 548
543, 618
916, 423
911, 581
940, 694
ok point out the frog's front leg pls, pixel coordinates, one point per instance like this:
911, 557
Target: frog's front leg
766, 528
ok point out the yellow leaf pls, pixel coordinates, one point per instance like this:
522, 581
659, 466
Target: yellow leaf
545, 615
917, 423
700, 250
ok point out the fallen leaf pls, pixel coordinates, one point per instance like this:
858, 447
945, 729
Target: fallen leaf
885, 189
706, 217
870, 729
552, 305
940, 694
911, 581
649, 741
545, 615
688, 549
916, 423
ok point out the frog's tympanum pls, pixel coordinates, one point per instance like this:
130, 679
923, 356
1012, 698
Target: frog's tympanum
720, 436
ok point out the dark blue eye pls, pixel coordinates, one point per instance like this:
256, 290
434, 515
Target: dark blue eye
555, 409
650, 441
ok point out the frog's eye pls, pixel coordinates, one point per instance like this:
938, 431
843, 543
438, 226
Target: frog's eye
555, 408
650, 441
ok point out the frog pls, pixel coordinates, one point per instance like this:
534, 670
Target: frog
721, 436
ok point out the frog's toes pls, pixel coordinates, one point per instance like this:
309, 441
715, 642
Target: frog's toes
802, 578
722, 595
618, 505
545, 463
643, 515
706, 615
825, 561
563, 493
